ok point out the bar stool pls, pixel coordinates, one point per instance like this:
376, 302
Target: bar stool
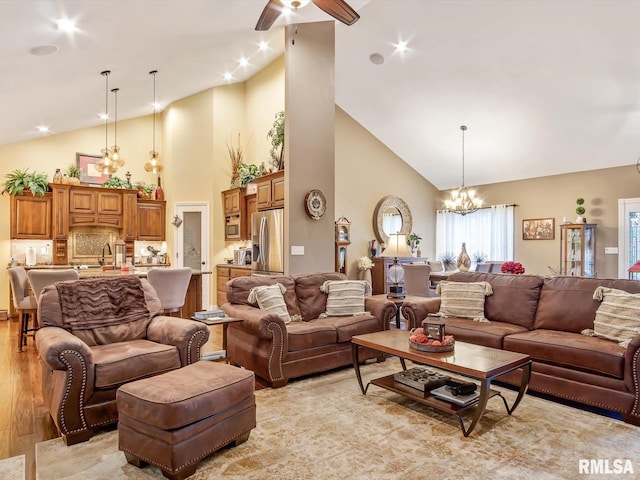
41, 278
171, 285
26, 305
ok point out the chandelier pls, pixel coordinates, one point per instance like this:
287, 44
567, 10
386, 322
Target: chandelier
153, 165
111, 159
463, 200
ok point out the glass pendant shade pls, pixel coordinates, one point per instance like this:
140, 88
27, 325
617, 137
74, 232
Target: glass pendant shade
116, 156
153, 165
463, 200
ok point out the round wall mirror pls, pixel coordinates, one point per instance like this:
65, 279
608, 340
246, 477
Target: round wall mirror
392, 215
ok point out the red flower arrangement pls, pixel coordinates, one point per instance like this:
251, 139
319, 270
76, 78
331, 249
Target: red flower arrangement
512, 267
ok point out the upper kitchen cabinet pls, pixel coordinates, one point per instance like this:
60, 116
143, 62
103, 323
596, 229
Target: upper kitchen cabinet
151, 220
233, 201
95, 207
31, 216
270, 192
235, 214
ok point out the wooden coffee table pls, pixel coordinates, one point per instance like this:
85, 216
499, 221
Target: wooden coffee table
480, 363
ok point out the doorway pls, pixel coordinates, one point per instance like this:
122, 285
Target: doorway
628, 234
192, 241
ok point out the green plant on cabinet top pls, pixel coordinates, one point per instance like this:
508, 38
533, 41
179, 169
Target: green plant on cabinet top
21, 180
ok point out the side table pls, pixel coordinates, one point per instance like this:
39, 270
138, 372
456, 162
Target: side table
224, 321
398, 302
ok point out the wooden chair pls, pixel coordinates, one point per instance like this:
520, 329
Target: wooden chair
171, 285
26, 305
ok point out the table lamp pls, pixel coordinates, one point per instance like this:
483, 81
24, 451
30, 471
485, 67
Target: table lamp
396, 247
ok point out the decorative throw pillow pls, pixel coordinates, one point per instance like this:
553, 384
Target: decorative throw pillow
617, 317
270, 298
463, 299
345, 297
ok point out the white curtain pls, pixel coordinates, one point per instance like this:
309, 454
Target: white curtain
391, 223
488, 231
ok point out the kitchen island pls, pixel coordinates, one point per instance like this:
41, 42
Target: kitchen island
192, 301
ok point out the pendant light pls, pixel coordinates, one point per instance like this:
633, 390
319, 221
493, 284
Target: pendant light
463, 200
153, 165
105, 165
116, 157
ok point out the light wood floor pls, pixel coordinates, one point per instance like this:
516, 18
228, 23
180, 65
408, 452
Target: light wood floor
24, 419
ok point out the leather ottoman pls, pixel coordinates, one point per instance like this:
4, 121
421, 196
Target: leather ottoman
176, 419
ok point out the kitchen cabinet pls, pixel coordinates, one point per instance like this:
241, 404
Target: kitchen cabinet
151, 224
270, 193
95, 207
233, 200
251, 204
236, 218
130, 216
31, 216
224, 273
380, 272
578, 249
60, 221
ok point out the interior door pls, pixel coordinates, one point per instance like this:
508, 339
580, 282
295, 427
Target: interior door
192, 242
628, 234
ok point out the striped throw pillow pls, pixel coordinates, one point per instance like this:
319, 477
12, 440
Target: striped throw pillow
617, 317
463, 299
270, 298
345, 297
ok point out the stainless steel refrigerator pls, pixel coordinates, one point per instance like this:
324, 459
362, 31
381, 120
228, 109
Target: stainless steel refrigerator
267, 235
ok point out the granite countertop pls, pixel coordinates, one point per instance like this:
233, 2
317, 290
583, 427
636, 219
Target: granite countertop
247, 267
97, 271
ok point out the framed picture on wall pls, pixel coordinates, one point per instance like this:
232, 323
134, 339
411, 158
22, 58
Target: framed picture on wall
88, 172
539, 229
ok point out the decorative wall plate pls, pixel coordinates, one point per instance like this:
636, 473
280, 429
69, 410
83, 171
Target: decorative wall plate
315, 204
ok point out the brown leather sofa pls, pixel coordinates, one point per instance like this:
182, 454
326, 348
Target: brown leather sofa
543, 317
277, 352
83, 366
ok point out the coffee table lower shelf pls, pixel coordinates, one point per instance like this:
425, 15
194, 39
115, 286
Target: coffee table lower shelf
426, 398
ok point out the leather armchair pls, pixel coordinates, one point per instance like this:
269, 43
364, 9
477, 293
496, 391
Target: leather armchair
83, 368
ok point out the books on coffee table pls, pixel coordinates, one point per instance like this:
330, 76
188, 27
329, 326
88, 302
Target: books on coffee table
445, 393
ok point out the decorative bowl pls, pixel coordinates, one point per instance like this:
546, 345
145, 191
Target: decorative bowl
427, 347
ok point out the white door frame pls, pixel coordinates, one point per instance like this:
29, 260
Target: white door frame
625, 206
203, 207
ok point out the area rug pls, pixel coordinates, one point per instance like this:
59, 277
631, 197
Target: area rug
323, 428
13, 468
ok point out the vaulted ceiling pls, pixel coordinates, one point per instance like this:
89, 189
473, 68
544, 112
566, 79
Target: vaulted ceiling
545, 87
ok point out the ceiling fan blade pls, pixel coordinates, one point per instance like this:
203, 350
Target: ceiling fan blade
269, 15
338, 9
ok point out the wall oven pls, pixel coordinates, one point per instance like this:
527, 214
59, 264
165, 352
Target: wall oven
232, 228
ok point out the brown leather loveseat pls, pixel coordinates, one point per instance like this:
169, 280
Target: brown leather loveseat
98, 334
276, 351
544, 318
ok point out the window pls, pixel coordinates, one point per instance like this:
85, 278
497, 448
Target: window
489, 231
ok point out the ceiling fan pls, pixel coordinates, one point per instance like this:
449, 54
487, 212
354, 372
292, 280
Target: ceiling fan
338, 9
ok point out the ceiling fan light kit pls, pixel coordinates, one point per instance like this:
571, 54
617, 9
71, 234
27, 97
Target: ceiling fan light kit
338, 9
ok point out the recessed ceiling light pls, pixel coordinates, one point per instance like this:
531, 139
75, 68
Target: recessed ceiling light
43, 50
376, 59
103, 116
262, 46
243, 62
156, 106
43, 129
228, 76
401, 46
66, 25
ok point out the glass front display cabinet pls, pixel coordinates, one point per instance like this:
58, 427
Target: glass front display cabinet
578, 249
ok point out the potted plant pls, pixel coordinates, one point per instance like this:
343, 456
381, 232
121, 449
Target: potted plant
248, 172
73, 175
413, 241
276, 135
580, 210
116, 182
21, 180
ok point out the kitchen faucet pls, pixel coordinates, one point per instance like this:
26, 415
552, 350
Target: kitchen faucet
108, 247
